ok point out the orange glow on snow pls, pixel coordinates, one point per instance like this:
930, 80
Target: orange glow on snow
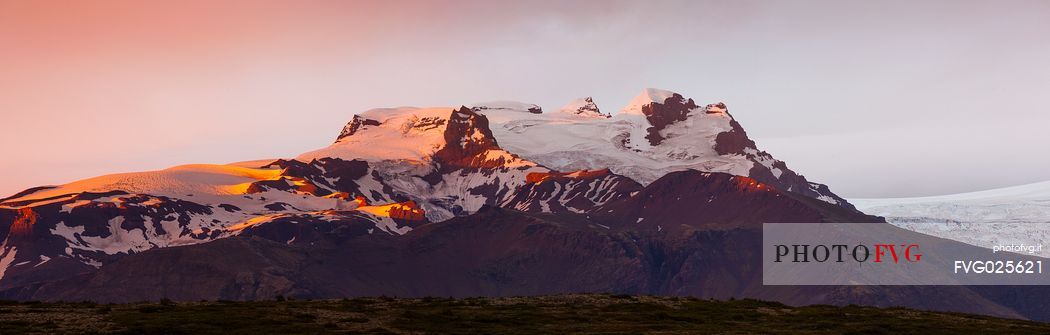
407, 210
361, 201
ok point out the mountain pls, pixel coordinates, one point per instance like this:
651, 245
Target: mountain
656, 133
666, 197
409, 167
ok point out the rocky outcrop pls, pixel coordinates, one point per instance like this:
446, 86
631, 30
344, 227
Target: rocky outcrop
354, 125
467, 140
585, 107
660, 115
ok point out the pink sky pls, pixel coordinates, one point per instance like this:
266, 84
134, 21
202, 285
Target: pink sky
950, 93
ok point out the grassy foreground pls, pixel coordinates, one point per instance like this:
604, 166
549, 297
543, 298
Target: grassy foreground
595, 314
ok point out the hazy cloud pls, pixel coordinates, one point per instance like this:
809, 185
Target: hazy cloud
952, 93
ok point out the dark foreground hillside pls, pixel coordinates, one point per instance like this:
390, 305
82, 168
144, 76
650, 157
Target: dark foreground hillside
602, 314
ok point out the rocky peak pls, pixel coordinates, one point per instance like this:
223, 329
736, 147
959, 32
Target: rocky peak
662, 114
584, 107
719, 108
467, 136
354, 125
734, 141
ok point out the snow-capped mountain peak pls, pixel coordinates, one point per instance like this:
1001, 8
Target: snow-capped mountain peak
583, 107
646, 97
391, 171
658, 132
406, 133
469, 143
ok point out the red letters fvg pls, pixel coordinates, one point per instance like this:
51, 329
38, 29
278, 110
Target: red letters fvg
881, 249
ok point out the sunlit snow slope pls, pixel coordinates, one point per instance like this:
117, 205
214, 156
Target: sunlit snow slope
1025, 203
1011, 215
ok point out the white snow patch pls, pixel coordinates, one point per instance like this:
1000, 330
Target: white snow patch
6, 258
827, 199
406, 133
43, 259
